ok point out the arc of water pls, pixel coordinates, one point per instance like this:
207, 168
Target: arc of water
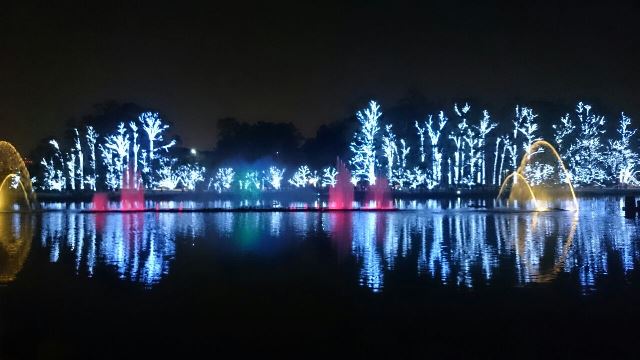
518, 175
523, 163
24, 191
555, 153
12, 164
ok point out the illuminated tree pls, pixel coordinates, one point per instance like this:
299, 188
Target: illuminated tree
92, 137
301, 177
112, 176
275, 177
363, 146
60, 177
119, 143
153, 126
507, 146
314, 178
51, 180
421, 137
190, 175
457, 136
486, 125
404, 151
622, 160
136, 146
471, 140
223, 179
251, 181
168, 177
436, 152
584, 151
527, 126
389, 149
561, 133
416, 177
71, 168
329, 176
80, 168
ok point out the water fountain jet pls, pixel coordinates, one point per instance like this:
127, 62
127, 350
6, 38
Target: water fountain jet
535, 181
15, 177
341, 194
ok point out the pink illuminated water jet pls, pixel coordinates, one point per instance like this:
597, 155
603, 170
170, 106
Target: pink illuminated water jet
132, 192
100, 202
378, 195
341, 194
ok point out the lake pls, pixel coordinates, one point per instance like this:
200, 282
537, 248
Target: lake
437, 278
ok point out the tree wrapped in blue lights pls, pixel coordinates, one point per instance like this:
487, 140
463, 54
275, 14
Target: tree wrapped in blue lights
581, 146
364, 145
622, 160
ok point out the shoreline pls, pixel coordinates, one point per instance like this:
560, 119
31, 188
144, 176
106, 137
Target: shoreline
312, 195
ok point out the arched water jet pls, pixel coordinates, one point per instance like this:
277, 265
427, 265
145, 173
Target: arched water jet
6, 185
13, 169
537, 178
515, 175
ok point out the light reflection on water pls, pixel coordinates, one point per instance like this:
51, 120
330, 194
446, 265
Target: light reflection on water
459, 247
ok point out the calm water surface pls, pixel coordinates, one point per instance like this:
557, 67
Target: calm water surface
433, 275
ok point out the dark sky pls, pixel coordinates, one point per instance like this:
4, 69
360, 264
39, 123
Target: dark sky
305, 63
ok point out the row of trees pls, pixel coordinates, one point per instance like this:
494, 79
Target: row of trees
445, 149
593, 157
106, 162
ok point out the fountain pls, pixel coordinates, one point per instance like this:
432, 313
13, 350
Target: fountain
132, 192
378, 195
16, 181
341, 194
541, 179
100, 202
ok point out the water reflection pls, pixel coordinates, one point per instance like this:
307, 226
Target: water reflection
139, 246
16, 234
457, 247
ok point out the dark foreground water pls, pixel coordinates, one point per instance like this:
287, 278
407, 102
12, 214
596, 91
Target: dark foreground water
436, 280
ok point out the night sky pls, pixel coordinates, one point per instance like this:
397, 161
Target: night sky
307, 64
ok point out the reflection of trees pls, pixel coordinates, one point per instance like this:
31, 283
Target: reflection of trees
16, 234
542, 245
464, 247
138, 246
